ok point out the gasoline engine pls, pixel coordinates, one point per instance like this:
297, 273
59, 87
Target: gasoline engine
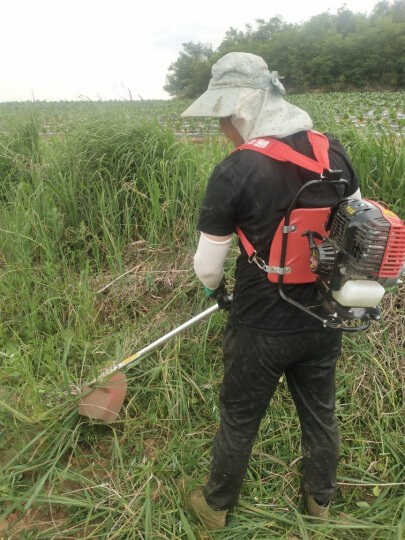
362, 256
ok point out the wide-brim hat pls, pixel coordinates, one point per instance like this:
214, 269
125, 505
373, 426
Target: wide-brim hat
215, 103
230, 75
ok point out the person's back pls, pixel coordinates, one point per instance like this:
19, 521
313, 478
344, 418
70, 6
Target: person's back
254, 191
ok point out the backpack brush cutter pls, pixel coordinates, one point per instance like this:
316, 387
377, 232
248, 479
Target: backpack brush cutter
354, 251
356, 248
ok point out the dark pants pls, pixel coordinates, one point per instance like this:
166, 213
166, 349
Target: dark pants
253, 365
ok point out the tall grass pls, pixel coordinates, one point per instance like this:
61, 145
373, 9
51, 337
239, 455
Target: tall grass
96, 243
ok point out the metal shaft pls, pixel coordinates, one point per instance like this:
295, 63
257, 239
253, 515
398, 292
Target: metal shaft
143, 352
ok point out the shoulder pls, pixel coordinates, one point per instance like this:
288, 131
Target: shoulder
241, 165
334, 142
243, 159
337, 148
340, 159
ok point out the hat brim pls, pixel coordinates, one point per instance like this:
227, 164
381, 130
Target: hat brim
215, 102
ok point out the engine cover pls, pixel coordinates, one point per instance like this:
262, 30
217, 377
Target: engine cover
368, 245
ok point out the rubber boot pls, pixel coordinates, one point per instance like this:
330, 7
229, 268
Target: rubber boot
212, 519
315, 509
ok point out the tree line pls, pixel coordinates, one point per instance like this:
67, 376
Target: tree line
329, 52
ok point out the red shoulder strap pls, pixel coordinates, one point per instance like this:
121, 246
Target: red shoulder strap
282, 152
320, 147
245, 242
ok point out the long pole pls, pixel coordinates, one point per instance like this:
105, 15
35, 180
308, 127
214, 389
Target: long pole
143, 352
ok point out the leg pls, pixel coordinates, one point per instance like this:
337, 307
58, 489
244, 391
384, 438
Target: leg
312, 386
249, 383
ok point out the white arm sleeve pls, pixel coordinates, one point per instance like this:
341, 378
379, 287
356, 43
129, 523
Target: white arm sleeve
209, 261
356, 194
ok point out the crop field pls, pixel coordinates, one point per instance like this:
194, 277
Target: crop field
98, 203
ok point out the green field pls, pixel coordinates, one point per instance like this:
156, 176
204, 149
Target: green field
97, 231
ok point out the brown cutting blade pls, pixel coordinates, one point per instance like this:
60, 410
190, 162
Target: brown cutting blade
104, 402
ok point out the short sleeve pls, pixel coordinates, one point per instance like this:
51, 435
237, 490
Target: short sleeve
217, 213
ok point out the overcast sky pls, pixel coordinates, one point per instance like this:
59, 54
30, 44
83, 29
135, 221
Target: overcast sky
104, 49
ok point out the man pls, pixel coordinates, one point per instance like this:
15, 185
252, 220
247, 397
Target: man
265, 335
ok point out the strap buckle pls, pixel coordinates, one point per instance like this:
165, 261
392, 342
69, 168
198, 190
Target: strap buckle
268, 269
258, 261
252, 257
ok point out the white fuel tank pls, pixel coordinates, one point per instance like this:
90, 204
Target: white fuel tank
359, 293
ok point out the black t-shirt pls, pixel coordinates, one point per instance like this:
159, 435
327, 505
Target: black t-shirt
253, 191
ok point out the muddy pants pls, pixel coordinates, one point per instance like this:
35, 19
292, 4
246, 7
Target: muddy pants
253, 365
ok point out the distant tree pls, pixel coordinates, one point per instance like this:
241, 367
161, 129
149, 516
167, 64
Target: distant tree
189, 75
382, 8
328, 52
